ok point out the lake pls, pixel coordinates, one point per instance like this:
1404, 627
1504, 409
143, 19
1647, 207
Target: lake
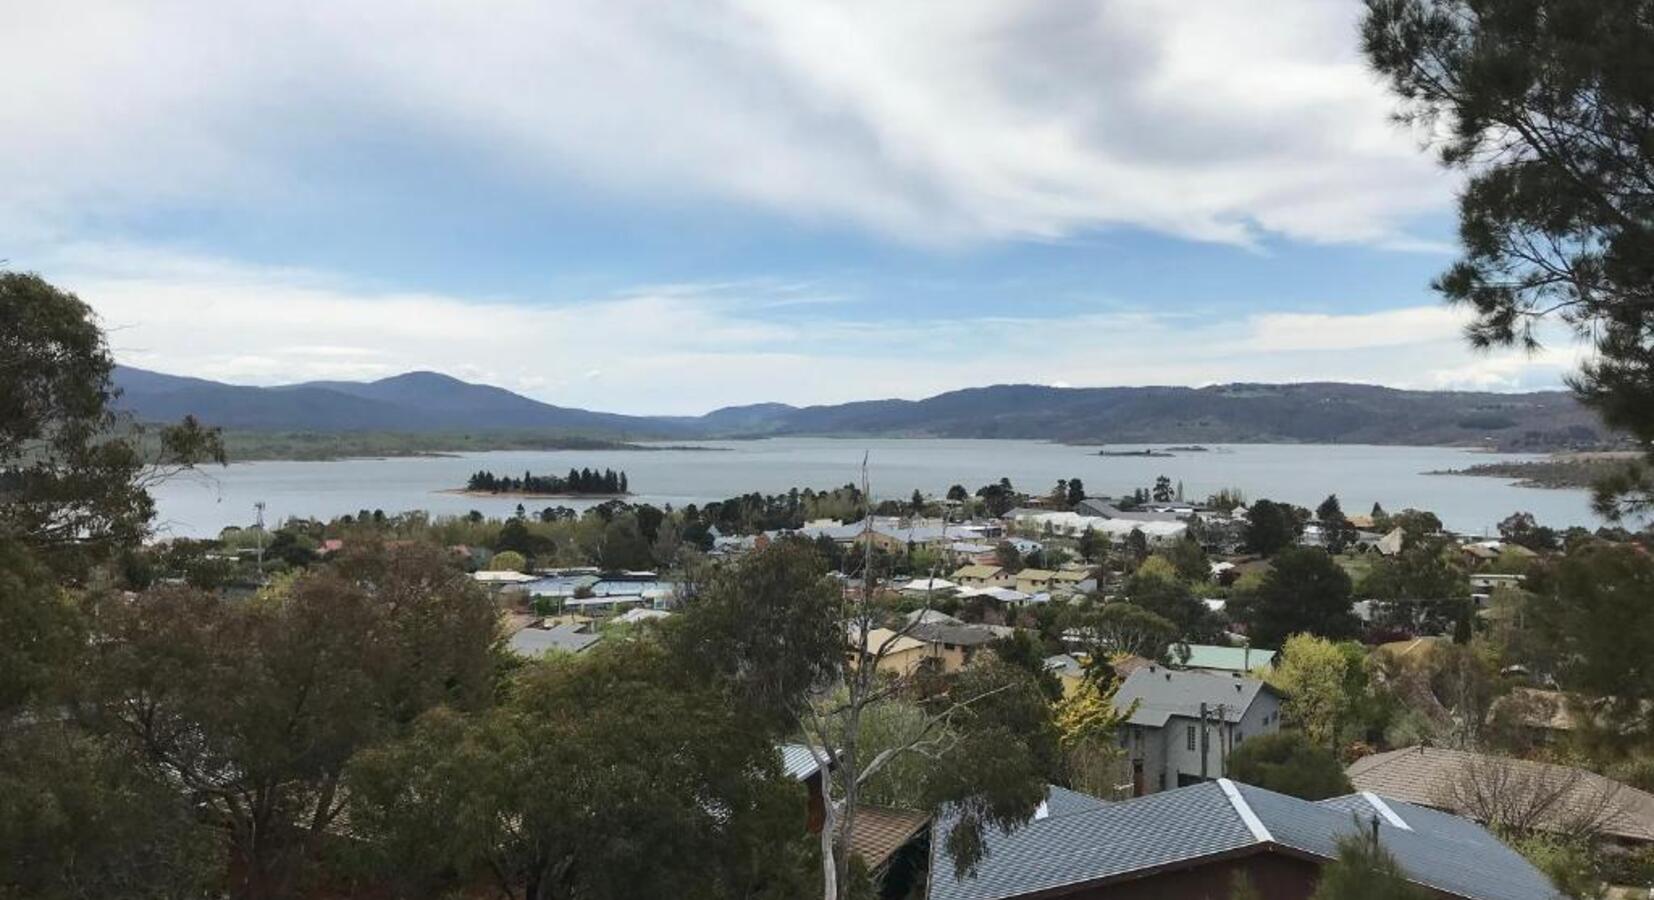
201, 505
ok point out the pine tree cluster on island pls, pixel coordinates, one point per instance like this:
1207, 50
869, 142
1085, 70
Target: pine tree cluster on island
578, 481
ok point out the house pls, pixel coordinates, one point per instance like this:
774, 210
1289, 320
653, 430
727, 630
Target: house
1075, 523
501, 579
882, 835
925, 586
1069, 671
1104, 508
1226, 660
1068, 581
978, 575
898, 654
932, 617
952, 646
1034, 581
1004, 595
1194, 842
1182, 725
887, 840
1479, 553
1391, 544
1483, 584
537, 642
639, 616
1488, 551
801, 763
1556, 798
972, 553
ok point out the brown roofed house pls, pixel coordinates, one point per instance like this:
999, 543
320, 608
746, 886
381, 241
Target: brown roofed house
1512, 793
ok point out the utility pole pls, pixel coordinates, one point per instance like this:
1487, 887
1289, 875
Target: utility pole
1202, 743
260, 507
1226, 740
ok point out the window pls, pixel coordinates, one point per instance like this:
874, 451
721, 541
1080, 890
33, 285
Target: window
1239, 736
1191, 736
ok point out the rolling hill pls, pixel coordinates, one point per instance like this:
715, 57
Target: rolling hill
427, 403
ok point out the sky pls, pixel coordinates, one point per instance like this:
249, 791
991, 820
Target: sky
667, 208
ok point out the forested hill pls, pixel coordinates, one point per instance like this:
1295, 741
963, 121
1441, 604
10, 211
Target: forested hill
1233, 413
425, 402
414, 402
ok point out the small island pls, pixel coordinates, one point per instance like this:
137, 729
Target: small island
578, 483
1140, 454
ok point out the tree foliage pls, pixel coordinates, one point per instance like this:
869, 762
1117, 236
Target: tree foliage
603, 776
255, 709
1364, 870
73, 474
1271, 527
1172, 600
1312, 674
1305, 591
1289, 763
770, 628
1545, 104
1587, 611
1122, 628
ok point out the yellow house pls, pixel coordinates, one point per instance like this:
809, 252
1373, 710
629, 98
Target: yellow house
903, 655
1034, 581
977, 576
1069, 579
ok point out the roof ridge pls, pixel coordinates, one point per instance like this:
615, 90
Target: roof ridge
1390, 815
1244, 810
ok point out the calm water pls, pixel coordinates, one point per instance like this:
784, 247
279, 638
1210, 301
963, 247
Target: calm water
1360, 475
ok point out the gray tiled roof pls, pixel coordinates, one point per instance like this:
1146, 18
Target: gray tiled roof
1161, 693
941, 633
1083, 840
1082, 845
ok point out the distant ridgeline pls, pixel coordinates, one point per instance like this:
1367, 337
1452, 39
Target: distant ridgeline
578, 481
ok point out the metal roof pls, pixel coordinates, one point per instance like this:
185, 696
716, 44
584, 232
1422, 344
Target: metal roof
1076, 844
540, 641
797, 761
1161, 693
1080, 842
1229, 659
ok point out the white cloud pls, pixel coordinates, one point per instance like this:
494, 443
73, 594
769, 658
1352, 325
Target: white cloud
685, 350
935, 121
1327, 331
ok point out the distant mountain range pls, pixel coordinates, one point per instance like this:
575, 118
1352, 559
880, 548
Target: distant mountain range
427, 402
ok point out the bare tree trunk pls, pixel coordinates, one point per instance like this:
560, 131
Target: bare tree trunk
829, 828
